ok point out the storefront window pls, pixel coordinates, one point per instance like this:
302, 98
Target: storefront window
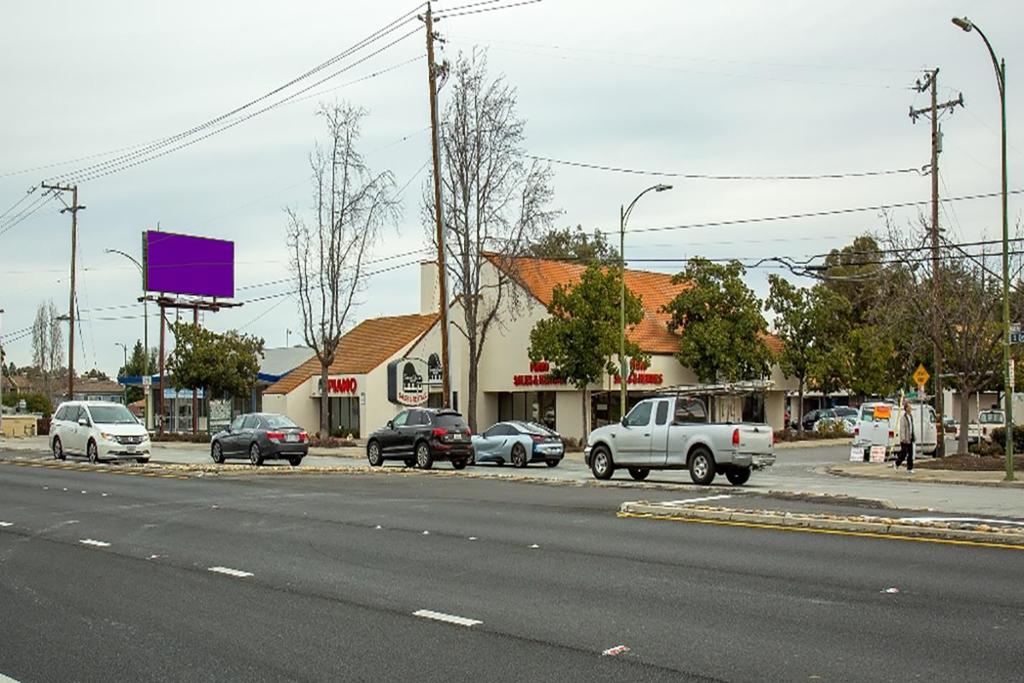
344, 416
528, 406
753, 408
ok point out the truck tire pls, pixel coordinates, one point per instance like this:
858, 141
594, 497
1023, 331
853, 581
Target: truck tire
738, 476
639, 473
702, 466
601, 463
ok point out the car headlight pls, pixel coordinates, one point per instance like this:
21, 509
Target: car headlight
108, 437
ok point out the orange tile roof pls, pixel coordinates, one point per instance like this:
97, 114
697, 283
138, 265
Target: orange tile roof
539, 277
363, 348
656, 290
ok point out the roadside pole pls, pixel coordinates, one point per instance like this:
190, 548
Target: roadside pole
1, 373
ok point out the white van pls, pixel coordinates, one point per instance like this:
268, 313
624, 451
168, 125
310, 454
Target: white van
98, 430
878, 425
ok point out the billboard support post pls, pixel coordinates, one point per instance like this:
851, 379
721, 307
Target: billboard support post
160, 385
195, 393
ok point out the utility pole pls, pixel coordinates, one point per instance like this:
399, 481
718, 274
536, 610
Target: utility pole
2, 359
931, 83
73, 209
442, 270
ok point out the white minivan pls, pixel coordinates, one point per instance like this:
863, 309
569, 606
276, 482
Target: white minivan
878, 425
99, 430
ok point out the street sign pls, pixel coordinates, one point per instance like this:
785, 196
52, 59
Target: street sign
147, 381
1016, 334
921, 375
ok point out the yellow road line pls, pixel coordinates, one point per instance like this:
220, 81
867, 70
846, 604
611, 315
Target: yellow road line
836, 532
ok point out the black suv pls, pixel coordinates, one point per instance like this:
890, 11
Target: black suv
419, 436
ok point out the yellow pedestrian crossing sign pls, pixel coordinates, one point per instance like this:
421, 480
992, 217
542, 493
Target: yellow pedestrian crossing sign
921, 375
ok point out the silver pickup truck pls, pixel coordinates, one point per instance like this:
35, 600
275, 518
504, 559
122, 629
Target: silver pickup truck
672, 432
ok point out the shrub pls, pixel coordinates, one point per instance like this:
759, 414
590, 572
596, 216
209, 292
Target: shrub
182, 437
999, 439
331, 442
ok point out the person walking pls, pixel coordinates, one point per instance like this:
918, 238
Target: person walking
906, 440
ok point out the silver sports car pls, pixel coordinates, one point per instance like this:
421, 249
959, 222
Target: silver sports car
519, 443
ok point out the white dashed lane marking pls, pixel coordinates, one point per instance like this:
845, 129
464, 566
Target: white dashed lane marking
687, 501
237, 573
94, 542
447, 618
6, 523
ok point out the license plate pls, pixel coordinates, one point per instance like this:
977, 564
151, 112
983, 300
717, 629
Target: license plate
130, 449
291, 437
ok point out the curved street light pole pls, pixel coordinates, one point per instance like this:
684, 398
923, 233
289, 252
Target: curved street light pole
623, 365
1000, 67
125, 366
145, 319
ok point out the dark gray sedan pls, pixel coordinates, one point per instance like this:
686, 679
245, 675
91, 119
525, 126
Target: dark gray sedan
259, 437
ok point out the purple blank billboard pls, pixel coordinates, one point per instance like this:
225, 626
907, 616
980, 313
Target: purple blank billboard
184, 264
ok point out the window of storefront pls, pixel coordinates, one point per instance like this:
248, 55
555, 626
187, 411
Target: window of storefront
528, 406
343, 414
753, 408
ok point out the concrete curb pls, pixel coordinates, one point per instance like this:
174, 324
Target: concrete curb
812, 443
920, 476
861, 524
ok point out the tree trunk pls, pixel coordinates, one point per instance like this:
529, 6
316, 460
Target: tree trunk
586, 411
325, 422
965, 420
800, 409
474, 381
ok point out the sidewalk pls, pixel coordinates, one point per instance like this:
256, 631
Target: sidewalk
885, 471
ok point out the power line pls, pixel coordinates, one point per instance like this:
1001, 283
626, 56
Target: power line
448, 14
710, 176
810, 214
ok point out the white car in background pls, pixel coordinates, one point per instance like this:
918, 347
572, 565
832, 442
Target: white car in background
99, 430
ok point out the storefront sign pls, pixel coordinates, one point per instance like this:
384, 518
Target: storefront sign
536, 380
338, 386
434, 371
640, 378
407, 384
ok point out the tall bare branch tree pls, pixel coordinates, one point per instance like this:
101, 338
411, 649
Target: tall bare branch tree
47, 344
351, 204
494, 199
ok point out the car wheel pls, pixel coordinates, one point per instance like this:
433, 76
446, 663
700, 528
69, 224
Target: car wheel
373, 454
702, 466
217, 453
255, 457
553, 463
295, 460
518, 455
601, 463
738, 476
424, 459
142, 461
639, 473
93, 452
410, 462
459, 464
58, 449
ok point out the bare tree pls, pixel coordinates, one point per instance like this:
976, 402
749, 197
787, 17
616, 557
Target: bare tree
328, 258
493, 199
47, 344
964, 319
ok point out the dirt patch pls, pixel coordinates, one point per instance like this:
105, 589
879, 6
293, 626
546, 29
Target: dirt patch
971, 463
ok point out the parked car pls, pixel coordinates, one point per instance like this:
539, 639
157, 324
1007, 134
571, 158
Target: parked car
812, 418
519, 443
99, 430
878, 425
673, 432
838, 424
421, 436
260, 437
809, 419
949, 425
988, 420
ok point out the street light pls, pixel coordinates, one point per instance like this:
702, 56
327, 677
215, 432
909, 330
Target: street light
145, 318
125, 367
623, 366
1000, 66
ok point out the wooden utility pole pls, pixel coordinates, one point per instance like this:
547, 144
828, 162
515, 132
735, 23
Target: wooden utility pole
442, 271
73, 210
160, 384
931, 83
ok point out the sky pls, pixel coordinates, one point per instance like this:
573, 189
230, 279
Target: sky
792, 87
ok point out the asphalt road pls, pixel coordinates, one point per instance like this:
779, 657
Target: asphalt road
336, 568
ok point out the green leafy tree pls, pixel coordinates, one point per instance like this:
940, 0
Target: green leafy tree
34, 403
97, 375
582, 333
137, 365
222, 364
720, 323
810, 322
573, 244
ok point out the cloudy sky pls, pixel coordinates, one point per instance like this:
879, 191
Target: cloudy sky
734, 88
